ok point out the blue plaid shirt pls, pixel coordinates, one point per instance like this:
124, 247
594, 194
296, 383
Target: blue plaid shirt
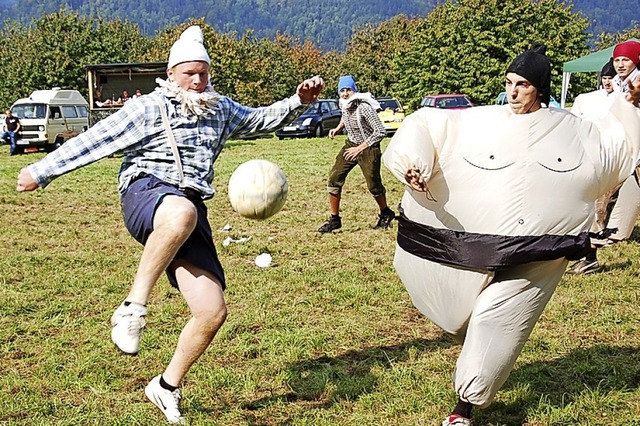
138, 131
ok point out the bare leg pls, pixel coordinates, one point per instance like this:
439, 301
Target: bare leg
174, 221
204, 295
334, 203
382, 201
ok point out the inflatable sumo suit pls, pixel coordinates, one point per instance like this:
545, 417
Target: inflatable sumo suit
510, 200
620, 208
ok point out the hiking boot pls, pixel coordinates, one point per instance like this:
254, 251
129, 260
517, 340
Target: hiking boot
334, 222
127, 323
583, 267
384, 219
458, 420
168, 402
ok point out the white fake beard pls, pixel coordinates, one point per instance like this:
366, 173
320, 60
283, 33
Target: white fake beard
359, 96
192, 103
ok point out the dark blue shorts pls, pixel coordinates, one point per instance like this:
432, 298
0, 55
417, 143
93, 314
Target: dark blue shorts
139, 203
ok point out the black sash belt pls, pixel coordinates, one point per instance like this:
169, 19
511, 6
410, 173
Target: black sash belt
485, 251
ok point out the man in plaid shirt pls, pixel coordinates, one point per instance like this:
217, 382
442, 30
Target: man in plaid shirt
163, 211
362, 148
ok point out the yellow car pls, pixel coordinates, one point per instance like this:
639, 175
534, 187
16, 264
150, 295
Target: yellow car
391, 114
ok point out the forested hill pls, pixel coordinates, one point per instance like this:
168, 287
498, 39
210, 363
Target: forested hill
327, 23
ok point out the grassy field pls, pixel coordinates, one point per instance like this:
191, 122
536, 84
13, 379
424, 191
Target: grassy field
325, 336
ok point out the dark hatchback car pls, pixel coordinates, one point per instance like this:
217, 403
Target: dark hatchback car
321, 116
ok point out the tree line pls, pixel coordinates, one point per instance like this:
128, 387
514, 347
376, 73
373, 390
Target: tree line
461, 46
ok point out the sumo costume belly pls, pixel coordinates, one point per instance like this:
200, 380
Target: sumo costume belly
492, 172
496, 175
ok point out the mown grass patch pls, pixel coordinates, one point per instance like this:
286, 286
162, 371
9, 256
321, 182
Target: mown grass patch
326, 336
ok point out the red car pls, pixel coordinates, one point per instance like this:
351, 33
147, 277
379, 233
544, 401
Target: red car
452, 101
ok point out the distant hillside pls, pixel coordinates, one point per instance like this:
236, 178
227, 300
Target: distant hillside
609, 16
328, 23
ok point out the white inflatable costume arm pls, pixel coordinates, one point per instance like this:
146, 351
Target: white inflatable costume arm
415, 146
620, 141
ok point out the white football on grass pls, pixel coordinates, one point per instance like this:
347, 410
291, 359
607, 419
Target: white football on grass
258, 189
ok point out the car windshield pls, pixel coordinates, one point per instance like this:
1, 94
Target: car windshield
389, 104
313, 108
452, 102
30, 110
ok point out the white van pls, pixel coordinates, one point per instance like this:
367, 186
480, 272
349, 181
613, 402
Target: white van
50, 117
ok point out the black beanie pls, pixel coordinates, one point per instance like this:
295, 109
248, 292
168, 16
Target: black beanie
608, 70
535, 67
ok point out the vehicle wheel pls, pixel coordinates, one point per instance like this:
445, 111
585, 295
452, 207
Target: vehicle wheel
281, 137
58, 143
319, 131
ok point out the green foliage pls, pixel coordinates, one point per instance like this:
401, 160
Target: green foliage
326, 336
328, 23
448, 50
452, 51
55, 50
372, 53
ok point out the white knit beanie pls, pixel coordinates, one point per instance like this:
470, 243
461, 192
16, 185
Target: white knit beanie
188, 48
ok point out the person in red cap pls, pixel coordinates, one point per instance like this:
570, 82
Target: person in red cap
626, 56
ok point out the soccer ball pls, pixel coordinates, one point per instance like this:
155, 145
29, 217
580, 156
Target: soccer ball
258, 189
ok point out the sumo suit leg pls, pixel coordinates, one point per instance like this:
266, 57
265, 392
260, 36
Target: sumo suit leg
502, 320
626, 210
494, 316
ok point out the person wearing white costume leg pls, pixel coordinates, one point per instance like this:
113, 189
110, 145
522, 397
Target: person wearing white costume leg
497, 199
616, 212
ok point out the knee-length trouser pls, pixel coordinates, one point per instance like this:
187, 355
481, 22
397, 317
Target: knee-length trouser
493, 315
370, 161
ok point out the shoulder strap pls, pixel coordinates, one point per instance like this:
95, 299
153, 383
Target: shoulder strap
172, 140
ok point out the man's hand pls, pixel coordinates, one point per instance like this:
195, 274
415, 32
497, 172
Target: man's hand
415, 180
26, 182
351, 154
336, 131
634, 92
310, 89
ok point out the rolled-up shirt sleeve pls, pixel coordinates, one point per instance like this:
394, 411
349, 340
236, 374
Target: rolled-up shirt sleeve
245, 121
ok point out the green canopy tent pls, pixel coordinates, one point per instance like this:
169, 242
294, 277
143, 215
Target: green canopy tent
589, 63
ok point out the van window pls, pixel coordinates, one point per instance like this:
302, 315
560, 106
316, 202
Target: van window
82, 111
69, 112
30, 110
54, 113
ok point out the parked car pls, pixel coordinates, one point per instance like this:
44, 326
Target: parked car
448, 101
502, 99
321, 116
391, 114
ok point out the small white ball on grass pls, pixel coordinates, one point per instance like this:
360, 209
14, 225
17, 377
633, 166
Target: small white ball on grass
258, 189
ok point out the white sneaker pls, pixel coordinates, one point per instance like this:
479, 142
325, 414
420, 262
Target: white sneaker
455, 419
127, 323
167, 401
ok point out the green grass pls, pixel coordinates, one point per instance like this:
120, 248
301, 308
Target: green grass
326, 336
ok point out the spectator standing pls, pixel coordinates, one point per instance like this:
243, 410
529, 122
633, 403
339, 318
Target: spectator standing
12, 128
593, 106
626, 57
